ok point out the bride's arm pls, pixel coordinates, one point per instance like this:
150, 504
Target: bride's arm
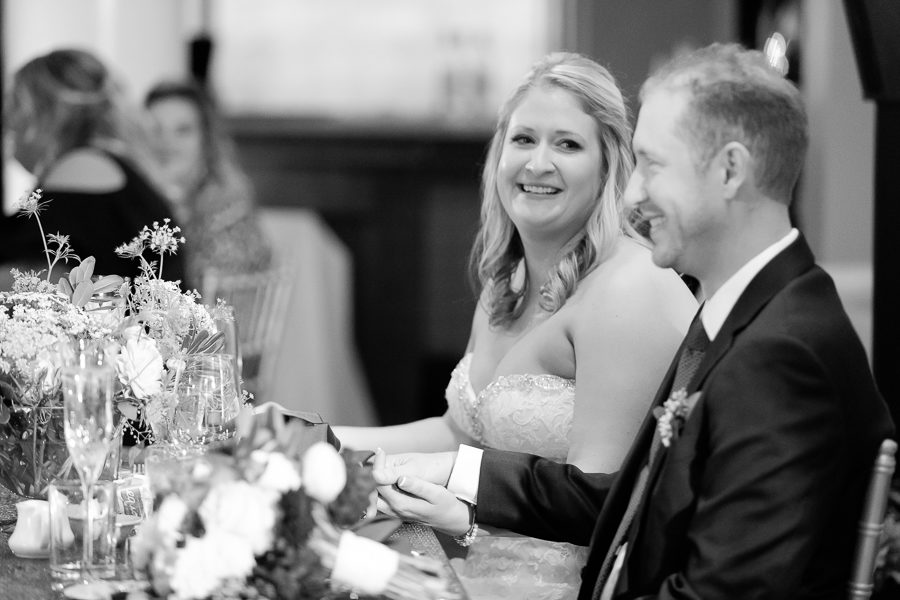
624, 336
435, 434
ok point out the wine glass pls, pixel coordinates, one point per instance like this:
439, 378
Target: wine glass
89, 429
207, 399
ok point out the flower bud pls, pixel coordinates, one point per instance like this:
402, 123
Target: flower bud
324, 473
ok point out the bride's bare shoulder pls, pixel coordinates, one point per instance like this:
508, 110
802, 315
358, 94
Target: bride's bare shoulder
629, 283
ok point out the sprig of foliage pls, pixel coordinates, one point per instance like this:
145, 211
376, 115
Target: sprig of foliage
162, 239
78, 287
31, 205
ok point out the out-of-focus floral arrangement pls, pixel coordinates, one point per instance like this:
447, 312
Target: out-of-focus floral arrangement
146, 328
270, 517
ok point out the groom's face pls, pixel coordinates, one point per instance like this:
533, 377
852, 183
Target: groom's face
676, 196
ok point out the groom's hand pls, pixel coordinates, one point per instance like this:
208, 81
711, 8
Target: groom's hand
413, 499
432, 467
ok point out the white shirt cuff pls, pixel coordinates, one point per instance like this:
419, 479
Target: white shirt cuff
463, 482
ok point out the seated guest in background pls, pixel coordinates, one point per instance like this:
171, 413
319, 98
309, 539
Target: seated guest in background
574, 323
68, 123
760, 456
201, 174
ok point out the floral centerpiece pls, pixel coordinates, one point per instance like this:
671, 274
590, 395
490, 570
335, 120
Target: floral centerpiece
266, 518
145, 328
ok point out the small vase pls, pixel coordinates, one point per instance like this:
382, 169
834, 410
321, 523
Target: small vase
31, 537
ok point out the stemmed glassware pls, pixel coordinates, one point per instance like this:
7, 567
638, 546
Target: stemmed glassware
207, 399
89, 430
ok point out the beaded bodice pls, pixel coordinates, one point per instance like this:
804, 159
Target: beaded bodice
523, 412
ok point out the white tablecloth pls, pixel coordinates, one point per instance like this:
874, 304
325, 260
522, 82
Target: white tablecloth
317, 367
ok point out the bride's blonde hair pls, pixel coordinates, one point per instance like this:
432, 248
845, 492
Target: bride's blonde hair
498, 248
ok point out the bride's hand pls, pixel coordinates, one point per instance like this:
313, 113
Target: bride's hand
413, 499
431, 467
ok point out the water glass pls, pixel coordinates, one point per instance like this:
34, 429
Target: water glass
207, 399
68, 527
168, 467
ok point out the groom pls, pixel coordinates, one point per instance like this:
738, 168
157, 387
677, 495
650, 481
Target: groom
747, 478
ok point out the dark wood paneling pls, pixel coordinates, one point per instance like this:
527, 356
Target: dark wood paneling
404, 199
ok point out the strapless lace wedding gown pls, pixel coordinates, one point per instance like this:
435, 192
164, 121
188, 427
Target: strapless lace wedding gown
524, 413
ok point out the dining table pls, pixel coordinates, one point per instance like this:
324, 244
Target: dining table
29, 579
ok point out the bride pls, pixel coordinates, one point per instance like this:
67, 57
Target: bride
568, 295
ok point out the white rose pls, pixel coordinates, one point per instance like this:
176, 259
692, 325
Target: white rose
241, 509
140, 366
46, 366
280, 474
363, 564
154, 541
204, 563
324, 473
132, 333
171, 514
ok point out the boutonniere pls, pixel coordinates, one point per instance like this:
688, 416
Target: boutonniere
671, 416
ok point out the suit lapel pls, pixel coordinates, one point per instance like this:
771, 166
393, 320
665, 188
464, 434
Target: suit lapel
792, 262
778, 273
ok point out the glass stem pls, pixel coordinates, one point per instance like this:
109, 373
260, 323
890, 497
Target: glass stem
87, 553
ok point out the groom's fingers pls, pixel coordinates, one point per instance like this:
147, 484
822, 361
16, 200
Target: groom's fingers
380, 471
423, 489
384, 507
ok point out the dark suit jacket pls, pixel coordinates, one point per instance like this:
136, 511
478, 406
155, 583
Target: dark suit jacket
760, 495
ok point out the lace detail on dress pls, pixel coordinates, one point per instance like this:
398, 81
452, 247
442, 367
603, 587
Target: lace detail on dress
521, 567
526, 413
461, 399
523, 412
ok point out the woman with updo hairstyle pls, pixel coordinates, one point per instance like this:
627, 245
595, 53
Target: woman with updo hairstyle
574, 324
68, 123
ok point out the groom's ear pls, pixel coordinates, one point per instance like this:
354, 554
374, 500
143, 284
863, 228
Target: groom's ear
734, 164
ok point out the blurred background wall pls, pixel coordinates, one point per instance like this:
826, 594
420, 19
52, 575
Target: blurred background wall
374, 115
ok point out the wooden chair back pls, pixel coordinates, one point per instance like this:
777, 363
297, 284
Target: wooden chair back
260, 302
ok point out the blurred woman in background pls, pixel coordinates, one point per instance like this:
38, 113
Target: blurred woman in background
213, 197
68, 123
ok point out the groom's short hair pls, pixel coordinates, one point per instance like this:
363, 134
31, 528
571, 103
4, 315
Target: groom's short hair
735, 95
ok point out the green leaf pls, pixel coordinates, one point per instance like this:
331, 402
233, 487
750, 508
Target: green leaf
87, 268
82, 293
65, 287
128, 410
210, 345
107, 283
75, 275
192, 342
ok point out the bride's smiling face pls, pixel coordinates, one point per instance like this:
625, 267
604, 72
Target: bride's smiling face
549, 176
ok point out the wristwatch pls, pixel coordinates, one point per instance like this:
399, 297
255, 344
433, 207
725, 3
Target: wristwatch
468, 537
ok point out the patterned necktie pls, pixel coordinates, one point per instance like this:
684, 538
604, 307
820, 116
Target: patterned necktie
695, 344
